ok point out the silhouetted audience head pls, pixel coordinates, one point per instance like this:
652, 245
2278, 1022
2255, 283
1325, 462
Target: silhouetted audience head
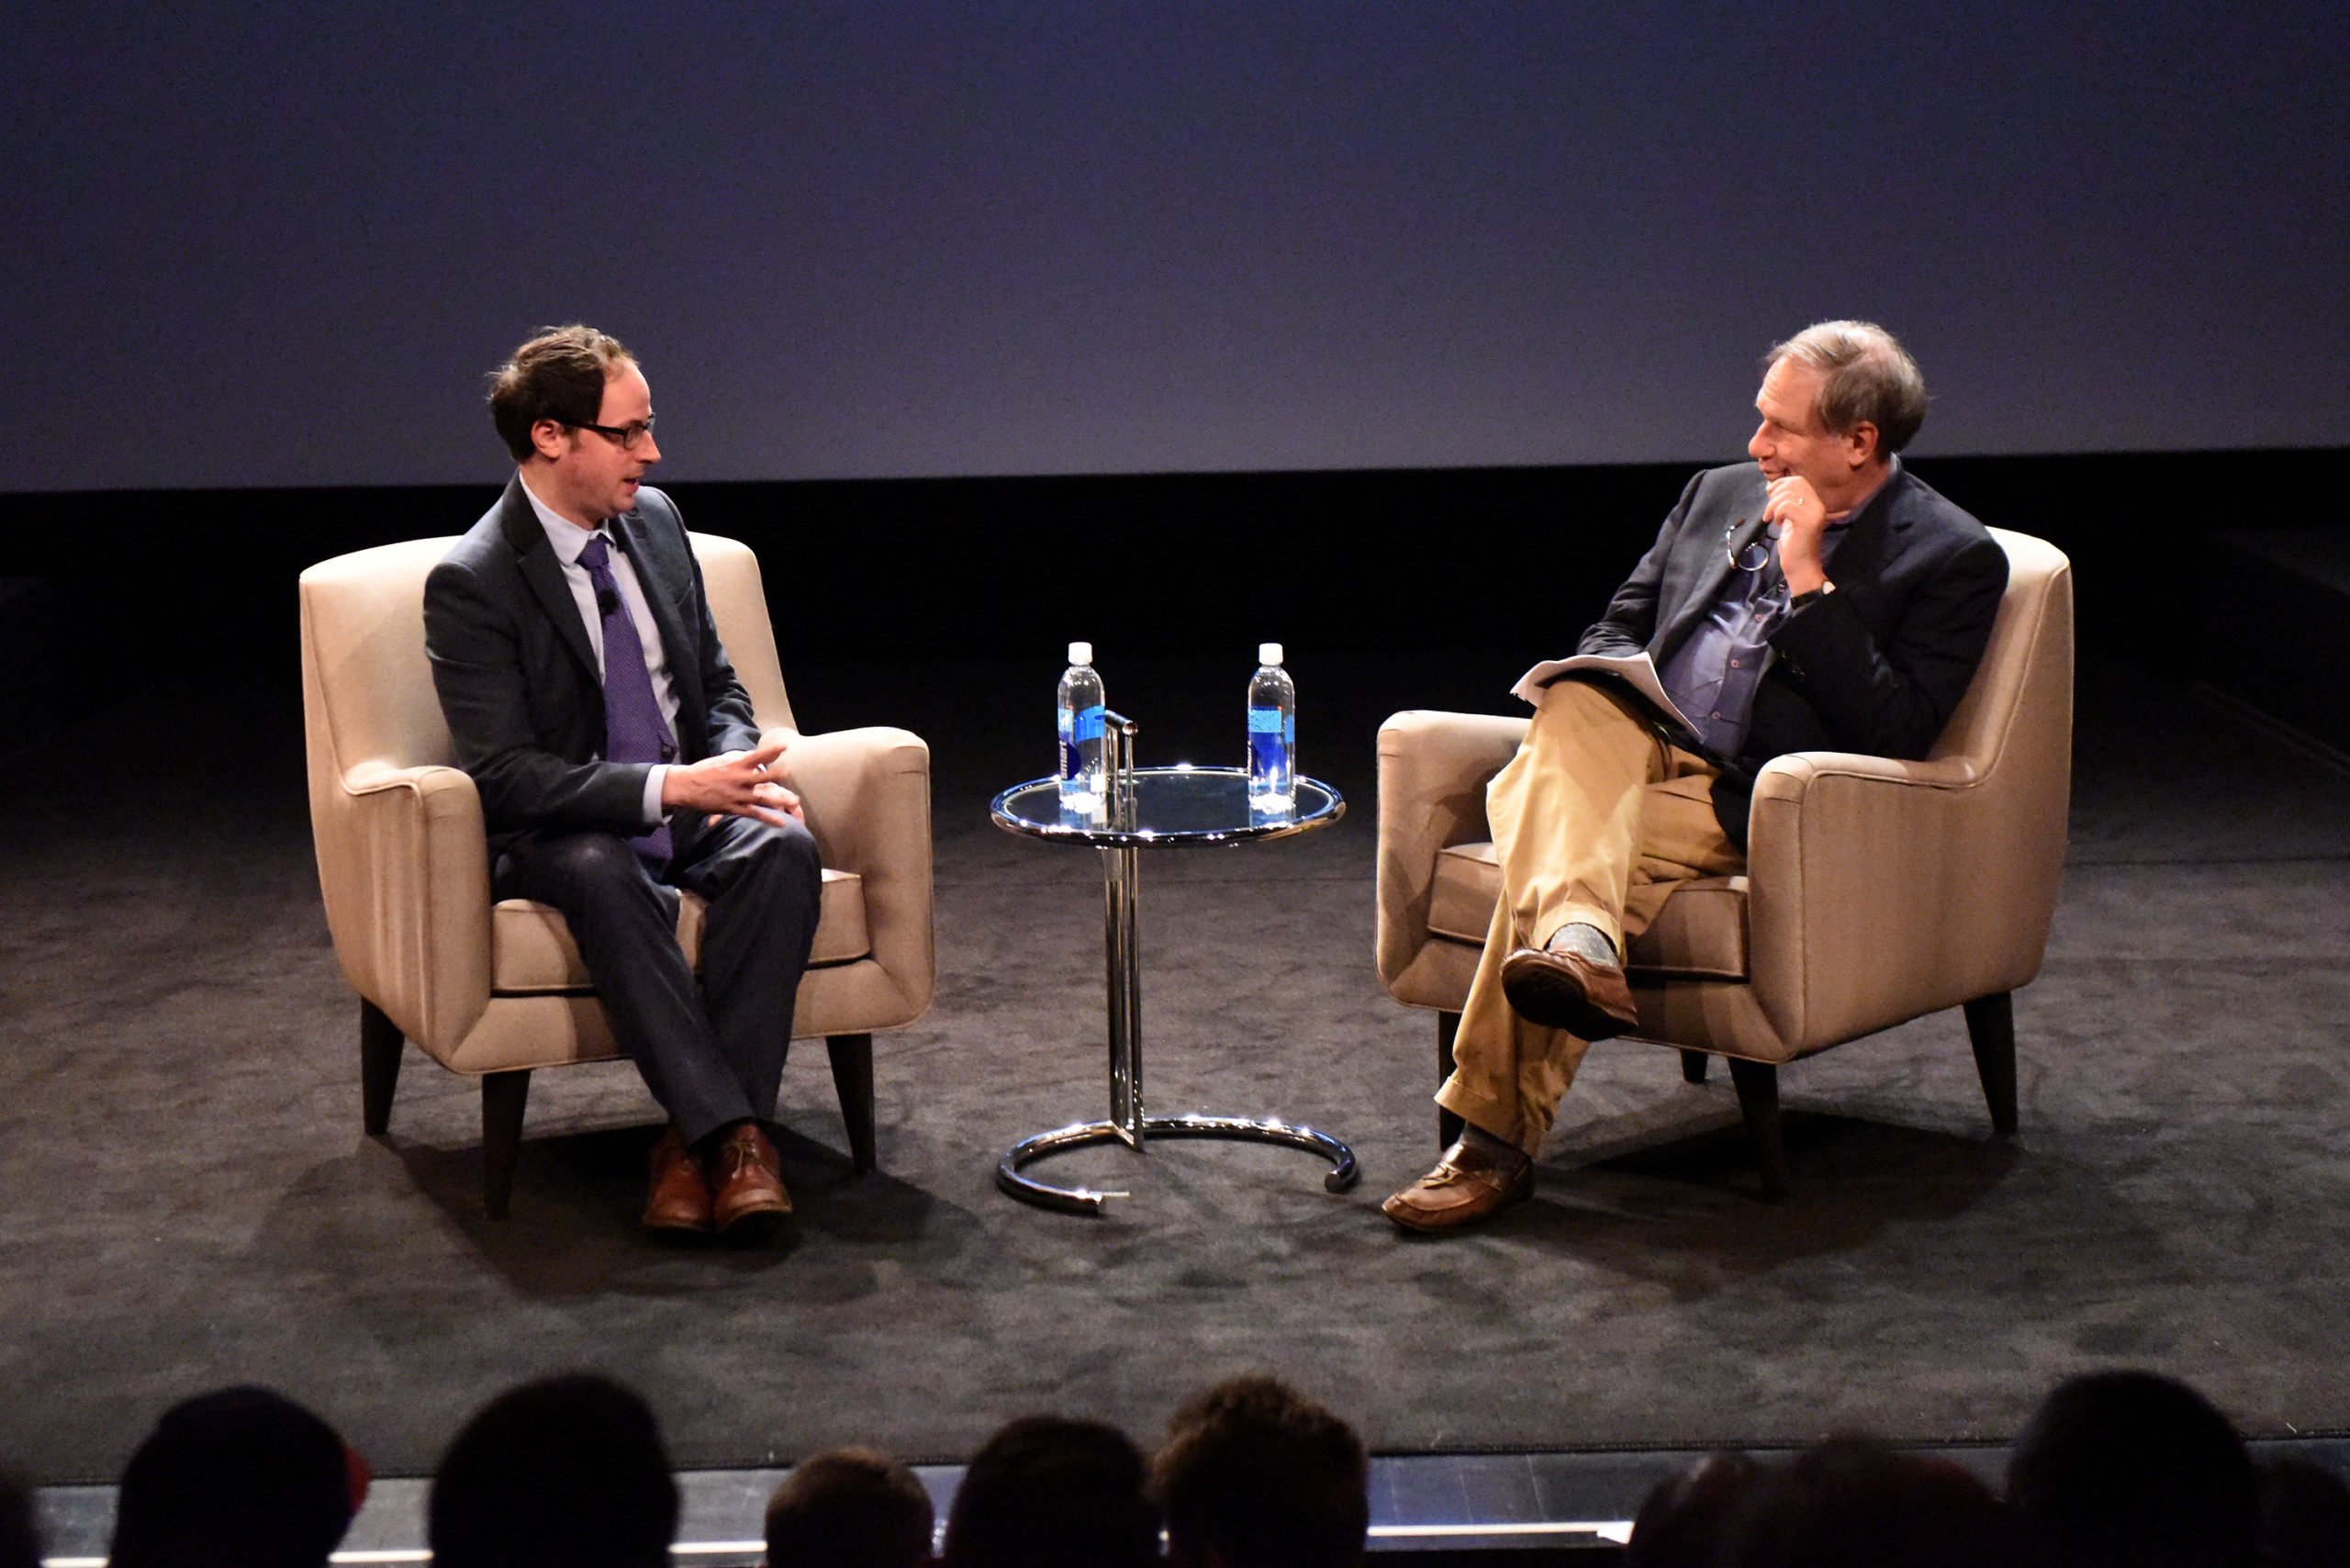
1855, 1502
1684, 1519
2304, 1515
2126, 1467
19, 1533
565, 1472
849, 1507
239, 1478
1254, 1474
1048, 1493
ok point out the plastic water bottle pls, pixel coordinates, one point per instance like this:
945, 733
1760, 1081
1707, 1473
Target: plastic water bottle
1080, 702
1272, 734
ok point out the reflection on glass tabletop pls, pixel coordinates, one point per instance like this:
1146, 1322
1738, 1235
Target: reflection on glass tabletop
1172, 805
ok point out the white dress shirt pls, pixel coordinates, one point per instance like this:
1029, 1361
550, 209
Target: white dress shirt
570, 541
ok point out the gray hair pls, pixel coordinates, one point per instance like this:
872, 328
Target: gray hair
1869, 377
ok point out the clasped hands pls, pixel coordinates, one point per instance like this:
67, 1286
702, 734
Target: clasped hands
736, 783
1802, 517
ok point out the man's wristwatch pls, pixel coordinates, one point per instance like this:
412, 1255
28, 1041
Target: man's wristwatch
1804, 600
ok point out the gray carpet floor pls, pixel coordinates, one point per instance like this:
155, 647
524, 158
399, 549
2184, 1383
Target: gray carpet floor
187, 1198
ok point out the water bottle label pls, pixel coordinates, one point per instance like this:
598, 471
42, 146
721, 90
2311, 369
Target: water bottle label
1268, 754
1081, 733
1268, 722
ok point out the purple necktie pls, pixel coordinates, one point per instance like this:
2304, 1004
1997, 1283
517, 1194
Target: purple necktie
634, 728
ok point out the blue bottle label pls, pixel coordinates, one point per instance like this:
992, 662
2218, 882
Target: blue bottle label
1268, 722
1268, 754
1077, 727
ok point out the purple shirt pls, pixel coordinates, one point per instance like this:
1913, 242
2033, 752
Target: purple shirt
1713, 674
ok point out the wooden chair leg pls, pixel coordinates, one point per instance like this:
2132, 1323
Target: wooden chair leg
1693, 1067
1447, 1126
853, 1079
1758, 1098
503, 1095
379, 1067
1991, 1029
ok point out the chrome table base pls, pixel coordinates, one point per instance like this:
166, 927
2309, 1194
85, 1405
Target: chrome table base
1086, 1201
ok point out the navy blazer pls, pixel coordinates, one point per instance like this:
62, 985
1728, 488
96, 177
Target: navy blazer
1877, 666
517, 679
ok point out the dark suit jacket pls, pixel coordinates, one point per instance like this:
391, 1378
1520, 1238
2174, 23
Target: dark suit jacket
1876, 667
517, 679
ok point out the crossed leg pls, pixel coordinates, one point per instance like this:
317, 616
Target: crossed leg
1596, 820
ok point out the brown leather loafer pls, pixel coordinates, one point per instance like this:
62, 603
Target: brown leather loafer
1566, 990
749, 1179
679, 1198
1468, 1184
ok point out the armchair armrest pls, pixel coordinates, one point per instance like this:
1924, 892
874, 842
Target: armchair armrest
1880, 890
1433, 768
404, 867
867, 794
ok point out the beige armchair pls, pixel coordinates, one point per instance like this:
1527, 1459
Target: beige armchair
497, 991
1875, 891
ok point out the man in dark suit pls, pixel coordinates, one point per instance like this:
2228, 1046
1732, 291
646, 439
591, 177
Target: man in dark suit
618, 761
1820, 598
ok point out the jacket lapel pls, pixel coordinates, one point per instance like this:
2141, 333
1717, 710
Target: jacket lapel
535, 559
1867, 539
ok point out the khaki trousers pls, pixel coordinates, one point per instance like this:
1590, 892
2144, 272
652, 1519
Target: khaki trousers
1596, 819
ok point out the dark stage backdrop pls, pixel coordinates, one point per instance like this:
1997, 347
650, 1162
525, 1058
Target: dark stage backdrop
1512, 562
273, 245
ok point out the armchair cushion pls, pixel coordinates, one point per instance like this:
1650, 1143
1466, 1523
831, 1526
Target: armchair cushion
532, 951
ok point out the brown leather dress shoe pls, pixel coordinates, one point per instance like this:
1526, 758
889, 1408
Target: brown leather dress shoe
1566, 990
1468, 1184
749, 1179
679, 1198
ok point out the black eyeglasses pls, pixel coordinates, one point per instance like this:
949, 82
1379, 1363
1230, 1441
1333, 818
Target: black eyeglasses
625, 436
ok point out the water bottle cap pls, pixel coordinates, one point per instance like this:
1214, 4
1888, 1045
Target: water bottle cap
1081, 653
1269, 653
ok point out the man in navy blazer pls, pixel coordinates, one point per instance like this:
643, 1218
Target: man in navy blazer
1821, 598
590, 700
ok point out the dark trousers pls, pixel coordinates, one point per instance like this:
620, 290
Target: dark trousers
712, 1053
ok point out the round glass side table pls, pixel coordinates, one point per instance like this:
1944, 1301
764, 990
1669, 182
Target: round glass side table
1154, 808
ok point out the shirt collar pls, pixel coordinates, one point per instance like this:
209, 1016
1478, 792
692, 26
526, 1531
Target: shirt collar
567, 537
1892, 467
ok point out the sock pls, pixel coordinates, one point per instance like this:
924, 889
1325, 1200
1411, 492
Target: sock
1486, 1143
1584, 941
